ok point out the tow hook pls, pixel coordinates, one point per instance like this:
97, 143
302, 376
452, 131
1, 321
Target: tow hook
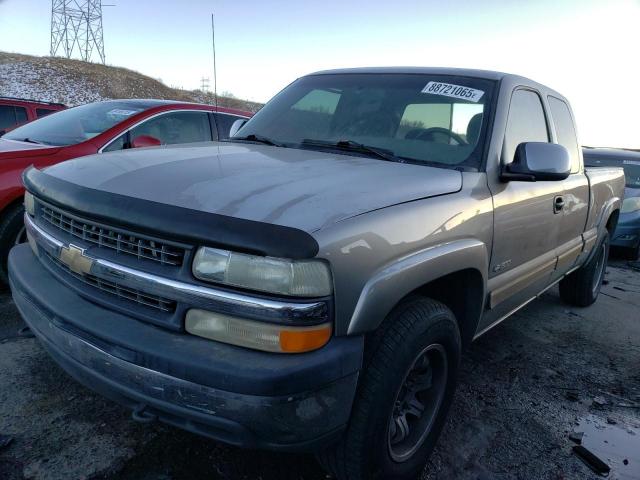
140, 415
25, 332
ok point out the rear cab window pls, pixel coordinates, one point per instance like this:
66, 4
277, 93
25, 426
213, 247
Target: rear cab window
631, 173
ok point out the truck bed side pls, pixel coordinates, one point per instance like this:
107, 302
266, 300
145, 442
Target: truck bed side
607, 191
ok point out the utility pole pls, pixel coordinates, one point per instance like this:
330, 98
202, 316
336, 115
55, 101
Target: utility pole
76, 29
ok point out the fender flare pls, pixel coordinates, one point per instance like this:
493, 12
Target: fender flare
398, 279
13, 199
611, 206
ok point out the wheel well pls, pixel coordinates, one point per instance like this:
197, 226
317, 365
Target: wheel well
463, 293
10, 206
613, 221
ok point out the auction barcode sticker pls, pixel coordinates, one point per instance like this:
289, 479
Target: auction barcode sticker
121, 112
455, 91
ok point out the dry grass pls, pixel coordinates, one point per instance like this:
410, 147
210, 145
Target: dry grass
74, 82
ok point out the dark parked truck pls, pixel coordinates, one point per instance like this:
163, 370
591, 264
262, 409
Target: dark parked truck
627, 233
310, 283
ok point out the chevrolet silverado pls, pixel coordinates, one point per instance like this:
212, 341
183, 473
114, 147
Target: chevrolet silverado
310, 283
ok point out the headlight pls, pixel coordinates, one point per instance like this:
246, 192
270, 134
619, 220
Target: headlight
630, 205
300, 278
256, 335
29, 204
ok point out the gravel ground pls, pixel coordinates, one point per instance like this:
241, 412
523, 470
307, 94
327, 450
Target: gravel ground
546, 374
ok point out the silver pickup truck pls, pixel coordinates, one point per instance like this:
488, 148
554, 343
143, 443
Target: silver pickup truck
311, 283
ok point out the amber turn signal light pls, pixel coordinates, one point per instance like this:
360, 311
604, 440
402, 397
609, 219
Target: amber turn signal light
265, 336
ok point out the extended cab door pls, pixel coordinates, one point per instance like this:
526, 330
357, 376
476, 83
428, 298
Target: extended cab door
526, 229
575, 199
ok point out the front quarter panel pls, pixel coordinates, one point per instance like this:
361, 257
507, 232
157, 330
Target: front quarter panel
380, 257
11, 188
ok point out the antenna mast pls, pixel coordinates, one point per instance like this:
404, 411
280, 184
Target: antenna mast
215, 79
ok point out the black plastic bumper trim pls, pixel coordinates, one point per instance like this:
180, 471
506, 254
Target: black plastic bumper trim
194, 359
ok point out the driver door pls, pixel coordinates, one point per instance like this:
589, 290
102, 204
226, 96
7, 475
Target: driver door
526, 229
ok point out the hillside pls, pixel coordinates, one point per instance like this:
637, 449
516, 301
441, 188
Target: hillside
74, 82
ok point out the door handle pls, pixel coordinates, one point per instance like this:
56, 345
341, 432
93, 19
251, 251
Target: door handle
558, 204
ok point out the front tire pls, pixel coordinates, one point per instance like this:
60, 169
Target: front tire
12, 233
406, 387
581, 288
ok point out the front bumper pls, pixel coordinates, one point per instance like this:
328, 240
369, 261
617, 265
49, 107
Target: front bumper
239, 396
627, 235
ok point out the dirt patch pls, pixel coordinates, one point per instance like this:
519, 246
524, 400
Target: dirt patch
525, 388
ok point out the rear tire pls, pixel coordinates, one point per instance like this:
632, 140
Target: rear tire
11, 233
581, 288
413, 356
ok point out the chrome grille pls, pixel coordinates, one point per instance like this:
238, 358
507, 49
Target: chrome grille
107, 237
154, 301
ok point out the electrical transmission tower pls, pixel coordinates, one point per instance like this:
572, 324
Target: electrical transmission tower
204, 84
76, 28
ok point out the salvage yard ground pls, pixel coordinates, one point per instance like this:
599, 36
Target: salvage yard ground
549, 373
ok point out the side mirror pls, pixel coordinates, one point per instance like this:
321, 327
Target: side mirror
145, 141
535, 161
237, 125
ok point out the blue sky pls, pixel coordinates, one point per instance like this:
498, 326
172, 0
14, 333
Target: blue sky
585, 49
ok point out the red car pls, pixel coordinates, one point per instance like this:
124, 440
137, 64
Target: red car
17, 111
96, 128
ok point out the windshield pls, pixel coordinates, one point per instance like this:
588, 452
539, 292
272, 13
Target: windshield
431, 119
631, 167
75, 125
632, 173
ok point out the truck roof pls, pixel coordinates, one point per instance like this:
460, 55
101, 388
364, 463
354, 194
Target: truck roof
612, 154
462, 72
465, 72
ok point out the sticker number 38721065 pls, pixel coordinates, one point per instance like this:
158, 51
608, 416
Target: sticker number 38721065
455, 91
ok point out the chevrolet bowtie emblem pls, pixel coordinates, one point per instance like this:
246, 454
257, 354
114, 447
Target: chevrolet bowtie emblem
74, 258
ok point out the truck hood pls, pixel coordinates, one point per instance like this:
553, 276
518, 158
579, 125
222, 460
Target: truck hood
303, 189
631, 192
14, 149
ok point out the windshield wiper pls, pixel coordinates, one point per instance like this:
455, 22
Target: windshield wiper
257, 138
28, 140
351, 146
